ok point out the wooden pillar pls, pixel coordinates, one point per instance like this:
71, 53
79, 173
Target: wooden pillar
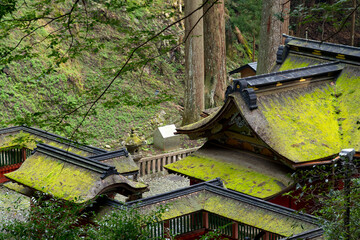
23, 154
235, 230
167, 229
205, 216
266, 236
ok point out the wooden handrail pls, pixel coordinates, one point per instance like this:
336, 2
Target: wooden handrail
154, 164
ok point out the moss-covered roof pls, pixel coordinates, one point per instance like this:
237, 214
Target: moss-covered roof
123, 164
239, 170
120, 159
22, 136
323, 49
67, 181
303, 121
232, 205
294, 61
312, 122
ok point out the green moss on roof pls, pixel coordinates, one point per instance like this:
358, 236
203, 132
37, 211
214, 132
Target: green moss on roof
295, 61
17, 187
123, 164
22, 139
66, 148
233, 209
348, 98
18, 140
303, 125
62, 180
255, 216
234, 176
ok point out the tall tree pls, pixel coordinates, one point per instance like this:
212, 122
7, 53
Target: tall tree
215, 54
270, 35
353, 23
194, 63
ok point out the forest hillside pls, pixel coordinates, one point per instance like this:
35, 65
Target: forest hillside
43, 80
57, 59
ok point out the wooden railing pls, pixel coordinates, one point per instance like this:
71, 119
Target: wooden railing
185, 224
207, 221
10, 160
154, 164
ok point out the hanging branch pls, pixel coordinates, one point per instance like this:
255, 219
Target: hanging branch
131, 56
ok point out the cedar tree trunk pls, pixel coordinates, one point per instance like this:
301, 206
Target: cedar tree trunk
270, 35
194, 63
214, 53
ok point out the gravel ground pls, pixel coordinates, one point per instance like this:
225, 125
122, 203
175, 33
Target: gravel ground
161, 183
164, 183
13, 205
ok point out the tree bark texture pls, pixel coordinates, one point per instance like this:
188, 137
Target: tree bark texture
215, 54
270, 35
194, 63
353, 24
285, 9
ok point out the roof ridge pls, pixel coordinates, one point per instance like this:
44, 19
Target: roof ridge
214, 187
176, 193
247, 87
289, 38
53, 137
290, 70
77, 160
108, 155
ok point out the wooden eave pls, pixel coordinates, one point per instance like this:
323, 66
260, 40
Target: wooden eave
247, 172
69, 176
204, 197
323, 50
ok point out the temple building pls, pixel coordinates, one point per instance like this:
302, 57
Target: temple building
198, 209
301, 114
64, 169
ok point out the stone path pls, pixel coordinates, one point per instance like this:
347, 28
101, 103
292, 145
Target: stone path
13, 205
161, 183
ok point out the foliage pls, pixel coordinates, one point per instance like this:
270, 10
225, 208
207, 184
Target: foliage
216, 234
246, 16
323, 189
51, 218
333, 211
126, 223
57, 57
321, 19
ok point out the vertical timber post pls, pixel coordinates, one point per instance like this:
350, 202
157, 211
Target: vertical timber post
235, 230
23, 154
167, 234
346, 156
205, 216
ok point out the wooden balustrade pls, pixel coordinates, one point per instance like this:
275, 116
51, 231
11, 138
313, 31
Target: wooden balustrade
183, 225
10, 160
154, 164
7, 169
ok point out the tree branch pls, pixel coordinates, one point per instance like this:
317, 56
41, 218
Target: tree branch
342, 24
130, 57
